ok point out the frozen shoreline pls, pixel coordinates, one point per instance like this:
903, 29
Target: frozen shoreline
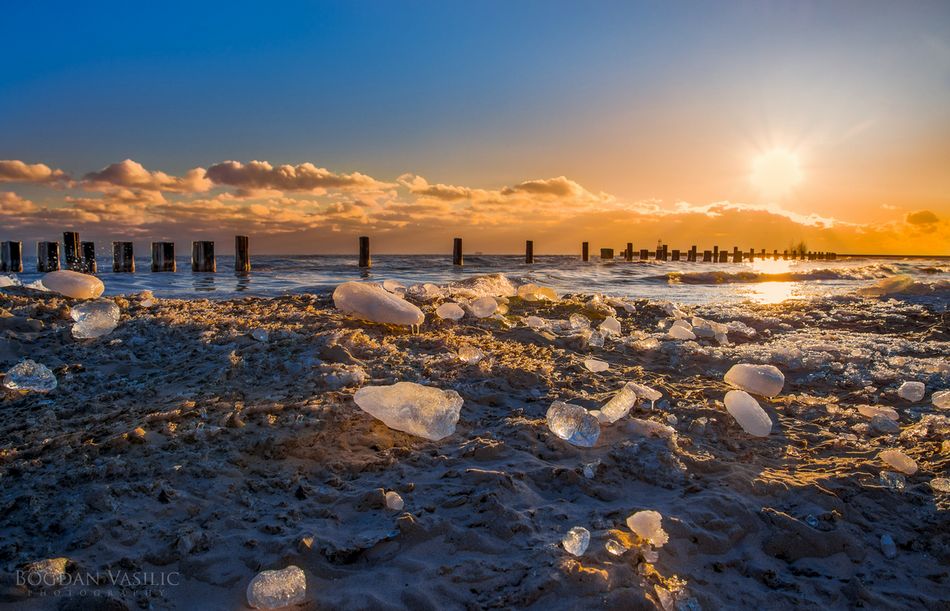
179, 443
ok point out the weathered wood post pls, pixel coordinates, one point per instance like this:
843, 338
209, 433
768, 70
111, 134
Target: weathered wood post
785, 254
163, 257
606, 253
585, 251
723, 256
89, 264
529, 251
736, 255
123, 258
365, 259
692, 253
751, 254
644, 254
47, 256
457, 252
242, 254
658, 254
707, 256
11, 257
715, 254
72, 252
666, 252
628, 254
676, 254
202, 256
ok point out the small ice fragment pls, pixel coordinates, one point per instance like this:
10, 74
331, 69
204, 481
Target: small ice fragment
394, 501
573, 423
412, 408
30, 375
393, 286
869, 411
470, 355
678, 332
747, 412
6, 280
73, 284
576, 540
596, 340
260, 335
683, 324
449, 310
765, 380
648, 525
535, 322
899, 461
615, 548
95, 318
888, 548
894, 481
940, 484
373, 303
645, 392
941, 399
277, 589
650, 555
484, 307
811, 521
620, 404
533, 292
590, 469
596, 365
883, 425
610, 326
579, 321
911, 391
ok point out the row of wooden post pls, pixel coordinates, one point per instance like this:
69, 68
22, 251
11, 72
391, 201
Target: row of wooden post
81, 256
662, 253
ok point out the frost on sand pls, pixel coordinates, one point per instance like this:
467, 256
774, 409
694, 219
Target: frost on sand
419, 410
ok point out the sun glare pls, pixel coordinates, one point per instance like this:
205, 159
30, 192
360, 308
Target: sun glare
775, 173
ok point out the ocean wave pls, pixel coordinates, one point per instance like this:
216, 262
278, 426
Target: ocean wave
903, 284
750, 276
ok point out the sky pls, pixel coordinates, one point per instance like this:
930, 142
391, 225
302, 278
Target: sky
305, 125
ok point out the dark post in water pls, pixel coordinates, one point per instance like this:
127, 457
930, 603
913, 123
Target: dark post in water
585, 251
715, 253
676, 254
11, 257
723, 256
628, 254
88, 251
47, 256
606, 253
242, 254
71, 251
644, 254
529, 251
202, 256
163, 257
123, 259
457, 252
365, 260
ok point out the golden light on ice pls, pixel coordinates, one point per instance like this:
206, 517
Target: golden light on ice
776, 172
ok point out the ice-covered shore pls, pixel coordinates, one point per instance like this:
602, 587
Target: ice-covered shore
220, 438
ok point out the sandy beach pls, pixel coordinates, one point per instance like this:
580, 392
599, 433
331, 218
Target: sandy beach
191, 446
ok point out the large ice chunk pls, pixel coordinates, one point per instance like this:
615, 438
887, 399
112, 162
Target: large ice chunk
912, 391
941, 399
373, 303
73, 284
484, 307
573, 423
533, 292
648, 525
449, 310
412, 408
576, 540
747, 412
765, 380
277, 589
610, 326
870, 411
95, 318
596, 365
30, 375
899, 461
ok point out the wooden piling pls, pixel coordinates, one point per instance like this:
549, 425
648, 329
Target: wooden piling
606, 253
88, 252
585, 251
163, 257
123, 257
457, 258
751, 254
11, 257
736, 255
692, 253
529, 251
676, 254
723, 256
707, 256
47, 256
72, 253
666, 252
242, 254
628, 254
202, 256
715, 254
365, 260
644, 254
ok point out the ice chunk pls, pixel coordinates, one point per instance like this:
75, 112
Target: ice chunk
449, 310
596, 340
393, 286
6, 280
765, 380
470, 354
30, 375
578, 321
496, 285
941, 399
648, 525
576, 540
95, 318
678, 332
888, 548
533, 292
610, 326
260, 335
596, 365
590, 469
425, 292
535, 322
911, 391
484, 307
412, 408
899, 461
620, 404
870, 411
747, 413
573, 423
883, 425
277, 589
615, 548
940, 484
645, 392
894, 481
394, 501
73, 284
373, 303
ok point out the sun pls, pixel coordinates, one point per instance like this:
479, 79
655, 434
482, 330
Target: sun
776, 173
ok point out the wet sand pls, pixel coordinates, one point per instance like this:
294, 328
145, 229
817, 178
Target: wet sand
181, 445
